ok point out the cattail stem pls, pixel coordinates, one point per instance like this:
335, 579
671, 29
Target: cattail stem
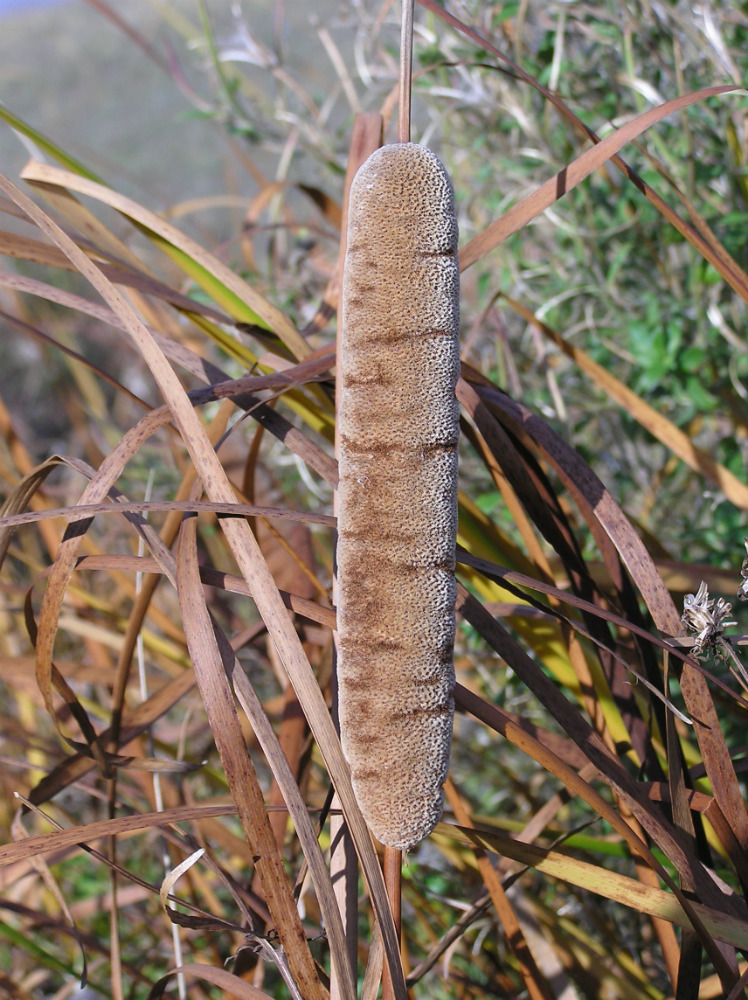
406, 68
392, 867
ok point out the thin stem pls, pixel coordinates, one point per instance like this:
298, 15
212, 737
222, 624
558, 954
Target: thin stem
406, 67
393, 864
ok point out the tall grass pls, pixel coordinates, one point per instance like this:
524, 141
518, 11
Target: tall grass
167, 618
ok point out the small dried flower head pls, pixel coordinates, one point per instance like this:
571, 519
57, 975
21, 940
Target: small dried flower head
743, 588
705, 618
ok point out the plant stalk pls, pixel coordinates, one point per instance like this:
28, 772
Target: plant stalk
392, 867
406, 68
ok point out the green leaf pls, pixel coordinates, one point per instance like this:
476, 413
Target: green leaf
29, 945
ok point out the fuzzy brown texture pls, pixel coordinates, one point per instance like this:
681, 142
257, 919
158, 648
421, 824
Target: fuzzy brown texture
397, 512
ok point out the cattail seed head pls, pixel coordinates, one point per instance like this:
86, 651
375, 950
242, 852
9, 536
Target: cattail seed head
397, 505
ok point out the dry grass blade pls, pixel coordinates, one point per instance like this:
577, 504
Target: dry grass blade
100, 485
73, 355
597, 504
84, 511
36, 252
51, 843
713, 745
557, 760
738, 989
537, 987
297, 808
93, 232
42, 637
19, 499
237, 292
541, 199
41, 867
659, 426
237, 764
302, 374
666, 906
374, 967
133, 725
645, 898
231, 985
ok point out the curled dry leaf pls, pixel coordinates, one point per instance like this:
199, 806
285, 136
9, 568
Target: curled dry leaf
176, 873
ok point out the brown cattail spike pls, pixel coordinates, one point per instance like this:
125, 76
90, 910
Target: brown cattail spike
397, 514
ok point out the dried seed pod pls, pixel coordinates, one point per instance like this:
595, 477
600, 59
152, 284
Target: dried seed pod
397, 505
